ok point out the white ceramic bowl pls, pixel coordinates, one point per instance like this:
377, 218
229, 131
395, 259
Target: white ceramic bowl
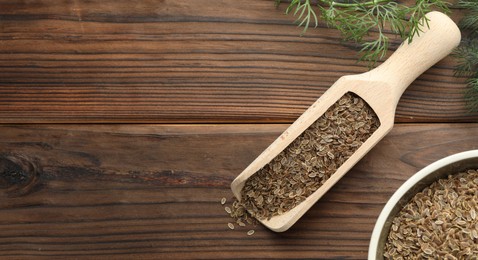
437, 170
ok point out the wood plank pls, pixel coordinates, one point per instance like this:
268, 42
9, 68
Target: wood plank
153, 191
183, 62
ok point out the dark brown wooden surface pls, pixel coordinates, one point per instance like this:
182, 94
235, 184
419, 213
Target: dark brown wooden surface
195, 90
182, 61
153, 191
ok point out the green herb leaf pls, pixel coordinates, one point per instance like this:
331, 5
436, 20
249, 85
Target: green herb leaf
467, 57
467, 53
358, 20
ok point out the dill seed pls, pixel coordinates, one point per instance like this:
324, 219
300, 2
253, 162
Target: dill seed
228, 210
239, 214
223, 201
439, 222
250, 232
230, 225
309, 161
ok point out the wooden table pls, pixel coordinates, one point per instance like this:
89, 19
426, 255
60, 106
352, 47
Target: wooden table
124, 122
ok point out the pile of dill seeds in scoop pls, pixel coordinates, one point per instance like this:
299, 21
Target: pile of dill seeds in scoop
309, 160
439, 222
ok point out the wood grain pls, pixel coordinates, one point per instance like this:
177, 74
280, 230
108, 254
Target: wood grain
153, 191
183, 62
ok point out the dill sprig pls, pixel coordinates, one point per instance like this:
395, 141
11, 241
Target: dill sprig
467, 53
357, 20
469, 22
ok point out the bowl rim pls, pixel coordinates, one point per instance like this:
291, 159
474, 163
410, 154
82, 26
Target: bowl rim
402, 190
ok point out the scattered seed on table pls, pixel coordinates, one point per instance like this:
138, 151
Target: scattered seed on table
223, 201
228, 210
250, 232
230, 225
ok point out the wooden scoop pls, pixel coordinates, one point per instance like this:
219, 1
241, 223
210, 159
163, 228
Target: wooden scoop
381, 88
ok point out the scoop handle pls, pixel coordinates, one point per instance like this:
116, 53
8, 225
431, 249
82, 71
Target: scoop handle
410, 60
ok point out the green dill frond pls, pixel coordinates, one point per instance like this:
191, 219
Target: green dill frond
372, 50
471, 5
371, 23
471, 94
357, 20
470, 21
467, 53
304, 12
467, 57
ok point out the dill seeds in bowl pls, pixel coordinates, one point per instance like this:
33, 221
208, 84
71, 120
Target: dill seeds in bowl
439, 222
310, 160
